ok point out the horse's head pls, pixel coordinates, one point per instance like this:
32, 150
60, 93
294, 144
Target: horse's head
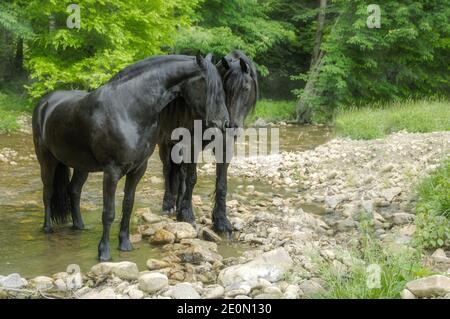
241, 86
213, 109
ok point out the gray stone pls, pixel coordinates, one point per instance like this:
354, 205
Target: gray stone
181, 230
107, 293
135, 293
402, 218
124, 270
271, 266
406, 294
153, 282
13, 281
184, 291
210, 235
311, 288
436, 285
42, 283
390, 193
440, 256
213, 292
346, 225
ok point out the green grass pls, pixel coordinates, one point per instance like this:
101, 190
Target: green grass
273, 111
433, 209
369, 257
12, 105
378, 121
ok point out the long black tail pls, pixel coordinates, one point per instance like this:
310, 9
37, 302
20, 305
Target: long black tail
60, 203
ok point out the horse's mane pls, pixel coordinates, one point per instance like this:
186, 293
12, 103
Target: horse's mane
140, 67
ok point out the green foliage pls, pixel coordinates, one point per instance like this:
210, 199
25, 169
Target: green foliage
225, 25
376, 121
397, 268
272, 111
433, 209
113, 34
12, 105
407, 56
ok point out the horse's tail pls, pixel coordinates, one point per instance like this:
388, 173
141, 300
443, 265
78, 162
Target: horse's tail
60, 203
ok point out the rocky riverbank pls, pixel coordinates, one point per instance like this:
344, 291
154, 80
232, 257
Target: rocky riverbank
314, 209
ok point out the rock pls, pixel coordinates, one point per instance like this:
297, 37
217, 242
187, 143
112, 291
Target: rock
272, 290
291, 292
390, 193
153, 282
311, 288
60, 285
13, 281
250, 188
271, 266
440, 256
42, 283
346, 225
260, 123
237, 223
406, 294
198, 242
268, 296
135, 293
436, 285
196, 200
107, 293
368, 206
210, 235
196, 254
213, 292
184, 291
135, 238
156, 264
162, 237
181, 230
124, 270
402, 218
333, 201
235, 290
150, 217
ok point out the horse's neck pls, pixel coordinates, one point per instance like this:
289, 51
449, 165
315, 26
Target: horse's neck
151, 91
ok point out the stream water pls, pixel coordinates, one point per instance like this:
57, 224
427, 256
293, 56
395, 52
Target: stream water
25, 249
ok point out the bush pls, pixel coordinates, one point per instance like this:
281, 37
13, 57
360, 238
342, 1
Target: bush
433, 209
273, 111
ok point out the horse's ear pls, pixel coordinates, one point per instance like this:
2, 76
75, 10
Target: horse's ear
225, 63
244, 66
200, 61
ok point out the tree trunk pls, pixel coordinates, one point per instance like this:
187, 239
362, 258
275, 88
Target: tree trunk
304, 109
18, 60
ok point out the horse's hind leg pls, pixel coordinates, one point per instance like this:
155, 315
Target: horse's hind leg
169, 172
111, 176
76, 184
185, 211
131, 182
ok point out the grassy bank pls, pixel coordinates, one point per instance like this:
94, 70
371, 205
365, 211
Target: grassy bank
272, 111
433, 209
12, 105
378, 121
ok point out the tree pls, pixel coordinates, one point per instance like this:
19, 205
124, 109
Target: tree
113, 34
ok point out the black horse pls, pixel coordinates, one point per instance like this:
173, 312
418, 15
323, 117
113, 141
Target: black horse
114, 130
241, 89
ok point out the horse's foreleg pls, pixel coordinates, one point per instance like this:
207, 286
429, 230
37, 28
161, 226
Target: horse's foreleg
127, 207
219, 216
110, 178
185, 212
76, 185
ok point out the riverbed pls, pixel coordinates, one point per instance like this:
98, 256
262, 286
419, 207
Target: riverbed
25, 249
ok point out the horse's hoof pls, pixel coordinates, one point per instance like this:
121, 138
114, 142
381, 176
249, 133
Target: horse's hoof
223, 228
104, 257
125, 245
